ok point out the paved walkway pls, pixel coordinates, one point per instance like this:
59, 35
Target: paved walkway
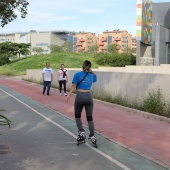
143, 134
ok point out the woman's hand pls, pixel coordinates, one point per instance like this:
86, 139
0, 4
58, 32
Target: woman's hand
66, 101
73, 86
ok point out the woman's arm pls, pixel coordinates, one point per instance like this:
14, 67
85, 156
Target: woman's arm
91, 71
73, 86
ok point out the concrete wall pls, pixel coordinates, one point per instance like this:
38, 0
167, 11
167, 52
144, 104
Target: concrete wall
160, 35
160, 45
55, 40
133, 85
38, 38
161, 15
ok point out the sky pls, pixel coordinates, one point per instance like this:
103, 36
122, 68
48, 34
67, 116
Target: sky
94, 16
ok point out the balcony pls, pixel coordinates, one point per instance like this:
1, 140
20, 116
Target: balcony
103, 39
114, 42
81, 48
101, 44
79, 44
117, 39
102, 48
81, 40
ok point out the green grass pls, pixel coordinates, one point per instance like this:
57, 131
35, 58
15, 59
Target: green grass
72, 60
154, 102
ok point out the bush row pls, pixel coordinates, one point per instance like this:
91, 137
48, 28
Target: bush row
115, 60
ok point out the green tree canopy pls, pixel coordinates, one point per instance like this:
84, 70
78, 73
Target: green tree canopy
67, 47
8, 10
112, 48
9, 49
55, 48
20, 49
37, 50
129, 50
5, 52
93, 49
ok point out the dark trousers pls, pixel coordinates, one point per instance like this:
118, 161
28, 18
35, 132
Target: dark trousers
84, 99
47, 84
64, 84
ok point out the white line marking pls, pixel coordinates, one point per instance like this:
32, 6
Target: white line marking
71, 134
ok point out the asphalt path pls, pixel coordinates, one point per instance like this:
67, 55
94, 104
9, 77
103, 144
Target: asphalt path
43, 139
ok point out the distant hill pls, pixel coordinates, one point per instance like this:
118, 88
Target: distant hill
19, 66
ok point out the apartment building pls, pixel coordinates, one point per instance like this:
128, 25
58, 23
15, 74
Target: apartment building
134, 43
82, 41
121, 38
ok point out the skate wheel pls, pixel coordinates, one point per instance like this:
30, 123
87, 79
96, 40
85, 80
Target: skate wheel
96, 146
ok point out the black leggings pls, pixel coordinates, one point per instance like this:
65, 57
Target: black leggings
84, 99
64, 84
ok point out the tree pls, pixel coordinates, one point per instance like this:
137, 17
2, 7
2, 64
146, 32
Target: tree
67, 47
20, 49
9, 49
37, 50
93, 49
5, 52
129, 50
8, 10
112, 48
55, 48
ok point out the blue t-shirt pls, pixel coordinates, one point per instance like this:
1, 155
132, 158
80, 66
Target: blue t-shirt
87, 82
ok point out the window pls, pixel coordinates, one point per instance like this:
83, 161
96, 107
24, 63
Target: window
75, 39
2, 39
109, 39
42, 44
168, 54
75, 47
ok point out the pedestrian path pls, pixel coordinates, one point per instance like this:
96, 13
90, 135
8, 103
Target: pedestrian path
144, 135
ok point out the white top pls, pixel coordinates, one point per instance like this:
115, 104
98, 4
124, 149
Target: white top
60, 76
47, 73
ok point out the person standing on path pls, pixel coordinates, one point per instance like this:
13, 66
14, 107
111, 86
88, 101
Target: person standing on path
82, 81
47, 75
62, 79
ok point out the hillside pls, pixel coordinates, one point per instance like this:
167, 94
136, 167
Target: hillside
19, 66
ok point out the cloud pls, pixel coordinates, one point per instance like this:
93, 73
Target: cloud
46, 17
92, 11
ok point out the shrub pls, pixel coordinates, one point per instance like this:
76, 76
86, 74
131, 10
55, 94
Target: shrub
155, 102
115, 59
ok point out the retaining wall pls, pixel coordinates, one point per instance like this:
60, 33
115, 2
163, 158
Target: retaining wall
132, 84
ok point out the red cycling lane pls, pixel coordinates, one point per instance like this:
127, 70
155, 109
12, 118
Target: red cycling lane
146, 135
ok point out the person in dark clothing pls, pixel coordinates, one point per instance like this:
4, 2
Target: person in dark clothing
62, 79
82, 81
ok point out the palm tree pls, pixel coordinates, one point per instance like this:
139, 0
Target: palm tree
4, 120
